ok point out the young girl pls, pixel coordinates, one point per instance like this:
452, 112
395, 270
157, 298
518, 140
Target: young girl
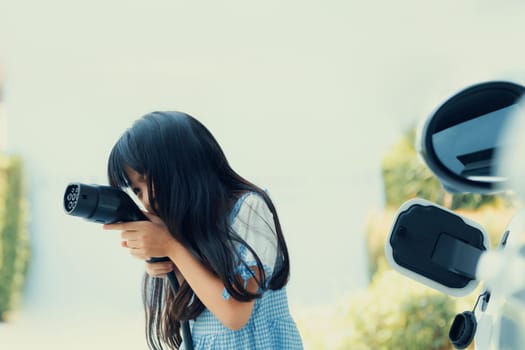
220, 232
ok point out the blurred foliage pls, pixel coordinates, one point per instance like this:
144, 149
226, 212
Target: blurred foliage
14, 242
398, 313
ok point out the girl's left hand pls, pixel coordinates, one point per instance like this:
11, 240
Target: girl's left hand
145, 239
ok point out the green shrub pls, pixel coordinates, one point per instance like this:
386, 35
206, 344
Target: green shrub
14, 242
398, 313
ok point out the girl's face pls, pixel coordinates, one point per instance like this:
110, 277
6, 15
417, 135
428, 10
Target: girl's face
139, 185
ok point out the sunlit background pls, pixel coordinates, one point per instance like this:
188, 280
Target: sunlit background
304, 96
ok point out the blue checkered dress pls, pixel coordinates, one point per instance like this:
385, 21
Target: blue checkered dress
270, 325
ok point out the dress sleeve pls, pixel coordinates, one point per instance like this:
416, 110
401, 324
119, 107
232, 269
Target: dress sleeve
253, 221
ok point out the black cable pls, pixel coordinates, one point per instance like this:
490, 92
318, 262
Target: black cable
186, 332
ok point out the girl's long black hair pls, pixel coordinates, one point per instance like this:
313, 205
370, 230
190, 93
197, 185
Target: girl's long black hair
192, 188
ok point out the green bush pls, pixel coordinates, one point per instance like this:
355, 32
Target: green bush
397, 313
14, 242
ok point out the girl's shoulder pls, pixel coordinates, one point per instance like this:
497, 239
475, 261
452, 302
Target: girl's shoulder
253, 222
249, 203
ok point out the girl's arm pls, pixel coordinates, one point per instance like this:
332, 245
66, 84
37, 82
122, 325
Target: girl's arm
209, 288
147, 239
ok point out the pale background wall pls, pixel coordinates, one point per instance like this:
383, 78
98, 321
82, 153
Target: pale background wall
304, 96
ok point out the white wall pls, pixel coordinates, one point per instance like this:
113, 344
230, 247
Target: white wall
304, 96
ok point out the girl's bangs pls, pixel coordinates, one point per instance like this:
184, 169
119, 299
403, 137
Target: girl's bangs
120, 158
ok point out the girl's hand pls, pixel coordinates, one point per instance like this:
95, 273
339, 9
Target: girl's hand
160, 269
145, 239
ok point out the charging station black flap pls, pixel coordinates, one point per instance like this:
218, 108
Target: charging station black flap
436, 244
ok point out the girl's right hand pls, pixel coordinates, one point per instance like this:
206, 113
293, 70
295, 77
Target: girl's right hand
159, 269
